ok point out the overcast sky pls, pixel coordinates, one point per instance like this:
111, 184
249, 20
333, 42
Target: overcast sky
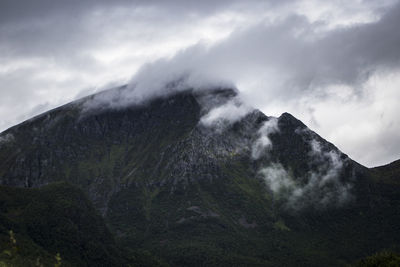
333, 64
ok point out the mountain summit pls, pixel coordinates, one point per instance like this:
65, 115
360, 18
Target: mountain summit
200, 178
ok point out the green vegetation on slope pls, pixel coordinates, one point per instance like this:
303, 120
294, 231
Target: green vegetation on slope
37, 224
381, 259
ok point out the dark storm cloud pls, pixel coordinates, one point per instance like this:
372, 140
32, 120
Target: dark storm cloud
68, 28
351, 52
59, 28
346, 55
294, 51
14, 10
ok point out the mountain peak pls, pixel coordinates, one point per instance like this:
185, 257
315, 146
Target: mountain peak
288, 119
189, 166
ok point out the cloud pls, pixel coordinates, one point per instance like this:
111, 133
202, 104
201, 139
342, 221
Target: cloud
282, 55
263, 144
363, 126
293, 61
321, 187
287, 58
158, 81
277, 178
324, 186
226, 114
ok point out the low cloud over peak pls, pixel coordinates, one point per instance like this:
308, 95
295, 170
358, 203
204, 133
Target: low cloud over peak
306, 57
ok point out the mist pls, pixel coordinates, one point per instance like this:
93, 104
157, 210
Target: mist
6, 139
263, 144
321, 187
225, 115
324, 185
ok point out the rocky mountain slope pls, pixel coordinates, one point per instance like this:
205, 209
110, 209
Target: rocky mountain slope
197, 178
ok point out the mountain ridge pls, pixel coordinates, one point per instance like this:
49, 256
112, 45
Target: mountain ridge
200, 172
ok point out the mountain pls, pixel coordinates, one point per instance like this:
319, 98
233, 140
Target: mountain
197, 178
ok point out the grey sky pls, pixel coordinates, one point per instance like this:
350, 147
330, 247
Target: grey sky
335, 65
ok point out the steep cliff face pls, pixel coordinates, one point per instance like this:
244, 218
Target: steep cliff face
199, 173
